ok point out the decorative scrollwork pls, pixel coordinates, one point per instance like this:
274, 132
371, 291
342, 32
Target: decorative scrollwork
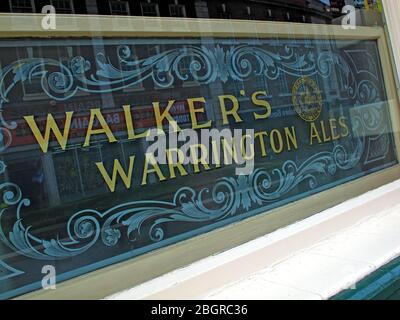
206, 65
230, 196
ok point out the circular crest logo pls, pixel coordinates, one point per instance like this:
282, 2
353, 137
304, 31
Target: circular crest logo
307, 99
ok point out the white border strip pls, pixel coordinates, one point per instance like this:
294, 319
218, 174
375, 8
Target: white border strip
203, 266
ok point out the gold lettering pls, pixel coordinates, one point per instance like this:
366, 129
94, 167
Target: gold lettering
172, 164
233, 112
202, 159
291, 138
51, 126
333, 125
156, 169
261, 103
129, 125
193, 111
105, 129
117, 170
343, 125
260, 136
325, 137
160, 117
314, 134
276, 141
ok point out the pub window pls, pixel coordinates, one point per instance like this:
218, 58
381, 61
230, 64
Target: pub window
63, 6
22, 6
120, 8
150, 9
68, 210
177, 10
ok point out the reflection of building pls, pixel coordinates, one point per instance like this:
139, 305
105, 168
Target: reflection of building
289, 10
336, 6
360, 3
71, 175
27, 6
364, 4
294, 10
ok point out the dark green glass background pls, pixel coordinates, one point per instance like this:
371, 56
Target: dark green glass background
73, 222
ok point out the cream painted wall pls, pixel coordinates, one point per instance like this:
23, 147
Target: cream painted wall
392, 14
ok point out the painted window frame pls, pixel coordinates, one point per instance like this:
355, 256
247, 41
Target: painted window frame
71, 2
148, 3
109, 280
32, 5
128, 11
177, 6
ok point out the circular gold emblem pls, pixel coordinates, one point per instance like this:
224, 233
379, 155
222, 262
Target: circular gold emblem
307, 99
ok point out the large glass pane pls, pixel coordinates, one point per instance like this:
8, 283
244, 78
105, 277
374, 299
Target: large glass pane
84, 186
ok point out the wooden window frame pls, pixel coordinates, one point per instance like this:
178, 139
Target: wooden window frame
127, 274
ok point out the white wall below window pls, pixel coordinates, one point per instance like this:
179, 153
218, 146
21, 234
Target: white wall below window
392, 15
313, 259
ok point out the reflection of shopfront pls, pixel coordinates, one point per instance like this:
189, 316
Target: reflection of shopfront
61, 177
76, 175
72, 175
64, 183
28, 173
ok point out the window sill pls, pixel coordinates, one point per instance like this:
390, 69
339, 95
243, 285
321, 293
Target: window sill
313, 259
